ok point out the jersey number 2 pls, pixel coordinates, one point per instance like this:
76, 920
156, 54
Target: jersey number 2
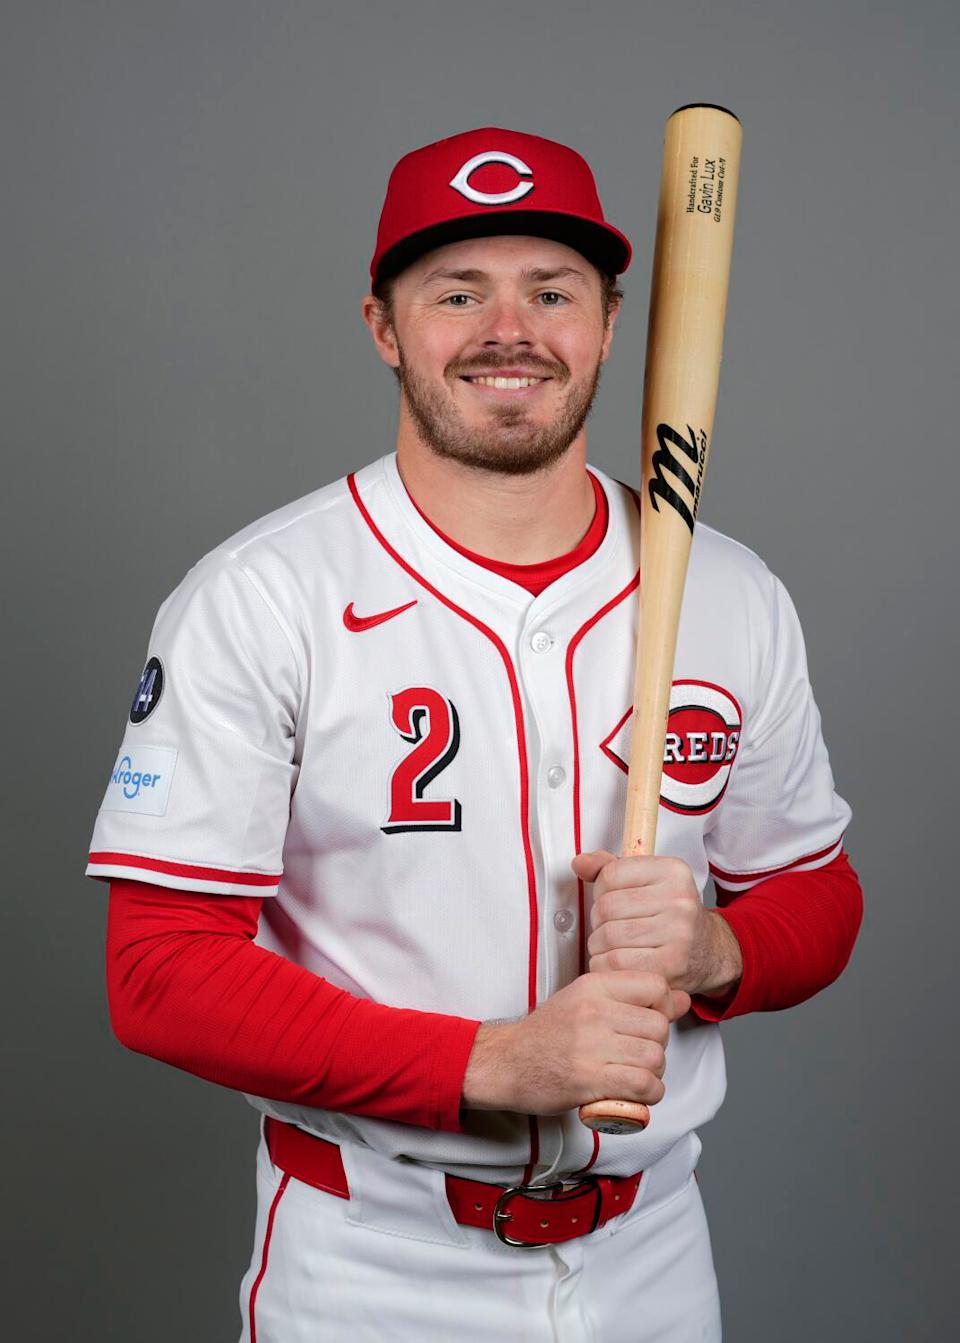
429, 721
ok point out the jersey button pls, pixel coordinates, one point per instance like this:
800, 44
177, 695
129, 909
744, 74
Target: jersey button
556, 775
563, 920
541, 642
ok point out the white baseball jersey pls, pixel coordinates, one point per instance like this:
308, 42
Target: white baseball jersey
404, 751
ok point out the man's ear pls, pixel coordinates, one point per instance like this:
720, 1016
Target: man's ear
380, 325
613, 313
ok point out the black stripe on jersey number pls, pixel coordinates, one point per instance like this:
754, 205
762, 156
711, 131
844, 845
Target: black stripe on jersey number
430, 723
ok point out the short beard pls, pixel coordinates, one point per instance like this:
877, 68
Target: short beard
511, 447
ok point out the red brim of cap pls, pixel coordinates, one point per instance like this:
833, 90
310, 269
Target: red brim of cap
602, 244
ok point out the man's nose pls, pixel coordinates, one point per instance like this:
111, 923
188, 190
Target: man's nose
507, 323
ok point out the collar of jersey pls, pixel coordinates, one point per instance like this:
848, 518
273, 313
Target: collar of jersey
605, 555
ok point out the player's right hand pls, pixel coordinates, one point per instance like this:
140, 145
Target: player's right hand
603, 1035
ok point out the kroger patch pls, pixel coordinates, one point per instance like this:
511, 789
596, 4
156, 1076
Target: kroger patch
141, 781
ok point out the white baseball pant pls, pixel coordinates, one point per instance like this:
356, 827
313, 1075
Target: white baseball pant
391, 1265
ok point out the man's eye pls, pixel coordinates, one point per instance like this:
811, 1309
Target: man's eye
551, 299
459, 300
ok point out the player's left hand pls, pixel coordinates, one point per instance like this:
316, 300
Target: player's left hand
647, 915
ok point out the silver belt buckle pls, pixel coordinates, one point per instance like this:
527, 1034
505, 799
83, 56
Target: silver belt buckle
544, 1192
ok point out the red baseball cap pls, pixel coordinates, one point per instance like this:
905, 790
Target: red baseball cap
493, 181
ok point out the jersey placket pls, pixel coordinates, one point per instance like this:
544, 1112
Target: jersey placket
541, 661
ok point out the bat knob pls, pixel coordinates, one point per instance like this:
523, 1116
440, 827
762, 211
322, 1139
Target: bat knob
615, 1116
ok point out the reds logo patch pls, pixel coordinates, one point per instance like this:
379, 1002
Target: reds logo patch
704, 724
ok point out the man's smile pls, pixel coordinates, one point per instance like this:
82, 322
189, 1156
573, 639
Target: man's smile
500, 385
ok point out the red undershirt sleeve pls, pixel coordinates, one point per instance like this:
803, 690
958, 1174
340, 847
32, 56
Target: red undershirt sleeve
187, 985
796, 932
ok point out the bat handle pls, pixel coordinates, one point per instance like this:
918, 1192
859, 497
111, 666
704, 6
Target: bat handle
610, 1116
615, 1116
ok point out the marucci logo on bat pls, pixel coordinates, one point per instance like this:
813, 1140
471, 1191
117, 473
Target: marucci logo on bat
663, 460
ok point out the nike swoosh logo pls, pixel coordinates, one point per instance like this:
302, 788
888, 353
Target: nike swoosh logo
357, 623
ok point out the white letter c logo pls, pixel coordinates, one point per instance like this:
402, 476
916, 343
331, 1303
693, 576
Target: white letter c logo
461, 182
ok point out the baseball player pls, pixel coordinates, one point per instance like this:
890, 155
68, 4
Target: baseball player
361, 832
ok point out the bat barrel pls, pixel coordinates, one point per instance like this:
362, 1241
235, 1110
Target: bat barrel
688, 301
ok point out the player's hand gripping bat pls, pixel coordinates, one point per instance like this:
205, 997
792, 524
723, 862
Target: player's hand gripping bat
688, 299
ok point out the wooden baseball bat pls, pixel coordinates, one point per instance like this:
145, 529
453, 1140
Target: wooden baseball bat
688, 300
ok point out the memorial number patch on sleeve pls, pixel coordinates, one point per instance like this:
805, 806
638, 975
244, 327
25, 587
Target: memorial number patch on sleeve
148, 691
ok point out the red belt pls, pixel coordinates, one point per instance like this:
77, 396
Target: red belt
525, 1216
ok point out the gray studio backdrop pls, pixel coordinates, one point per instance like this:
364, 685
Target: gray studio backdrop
190, 198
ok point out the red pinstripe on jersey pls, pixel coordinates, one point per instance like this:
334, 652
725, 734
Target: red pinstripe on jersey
571, 691
522, 761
